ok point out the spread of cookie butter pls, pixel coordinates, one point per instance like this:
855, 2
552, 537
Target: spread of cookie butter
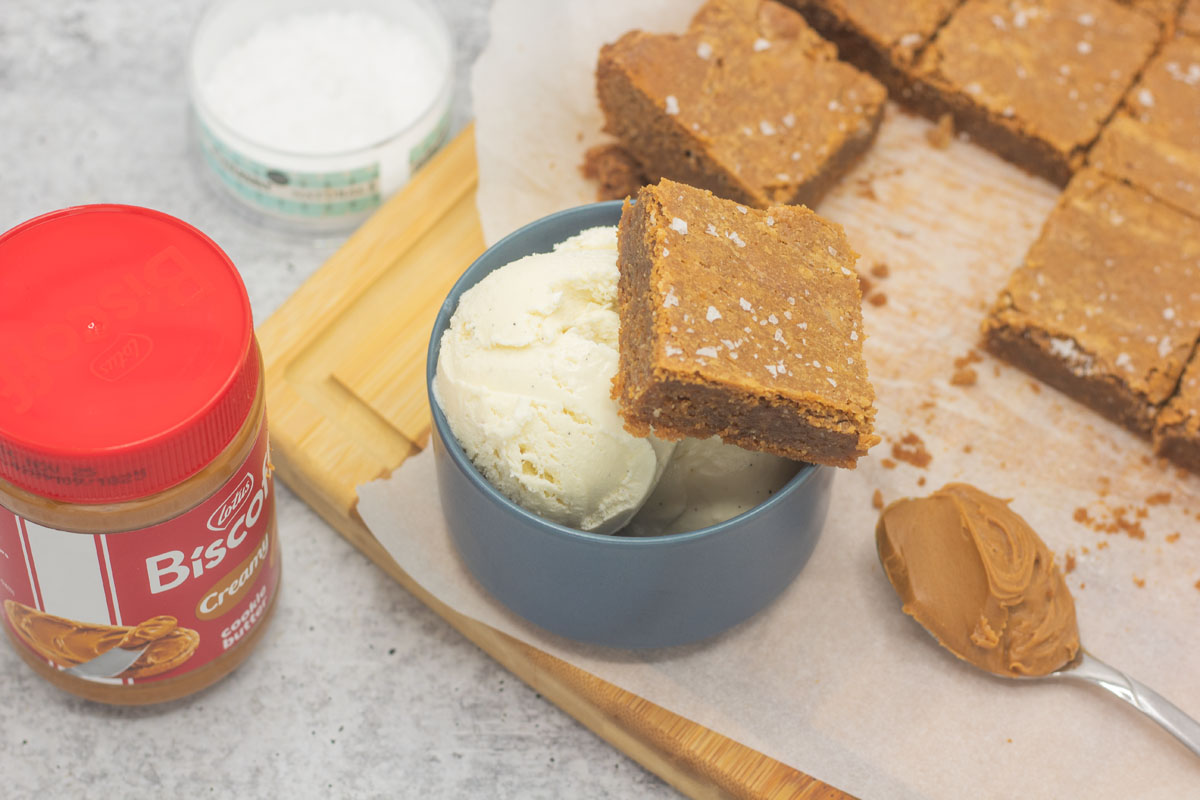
69, 642
980, 579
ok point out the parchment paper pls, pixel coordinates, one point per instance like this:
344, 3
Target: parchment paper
832, 678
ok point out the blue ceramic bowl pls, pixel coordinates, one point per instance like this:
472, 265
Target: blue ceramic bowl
613, 590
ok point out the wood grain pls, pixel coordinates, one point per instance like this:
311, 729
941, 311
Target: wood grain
345, 359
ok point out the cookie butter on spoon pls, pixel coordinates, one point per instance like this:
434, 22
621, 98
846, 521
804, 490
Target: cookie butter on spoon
982, 581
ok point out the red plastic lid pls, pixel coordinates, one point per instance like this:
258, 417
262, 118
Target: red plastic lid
127, 353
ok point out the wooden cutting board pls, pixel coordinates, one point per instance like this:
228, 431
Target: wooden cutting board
345, 360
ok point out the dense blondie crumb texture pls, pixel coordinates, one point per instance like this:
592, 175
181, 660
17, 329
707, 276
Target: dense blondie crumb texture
1107, 304
883, 37
741, 323
1177, 428
1155, 142
615, 171
750, 103
1034, 81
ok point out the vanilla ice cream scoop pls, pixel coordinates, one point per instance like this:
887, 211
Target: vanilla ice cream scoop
524, 378
706, 482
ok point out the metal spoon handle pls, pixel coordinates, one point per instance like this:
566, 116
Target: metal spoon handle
1089, 669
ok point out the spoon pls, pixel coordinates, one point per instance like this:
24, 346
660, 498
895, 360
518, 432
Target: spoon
944, 552
1086, 668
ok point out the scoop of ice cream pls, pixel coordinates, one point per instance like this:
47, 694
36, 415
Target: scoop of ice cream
524, 379
706, 482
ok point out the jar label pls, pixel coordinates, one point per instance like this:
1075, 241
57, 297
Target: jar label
148, 604
292, 193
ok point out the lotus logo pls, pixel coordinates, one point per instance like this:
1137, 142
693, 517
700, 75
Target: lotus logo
119, 359
225, 512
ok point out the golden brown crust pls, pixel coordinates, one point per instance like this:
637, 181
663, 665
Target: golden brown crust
880, 37
1035, 81
1155, 142
749, 103
742, 324
1100, 307
1129, 150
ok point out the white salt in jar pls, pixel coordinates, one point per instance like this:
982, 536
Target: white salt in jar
312, 112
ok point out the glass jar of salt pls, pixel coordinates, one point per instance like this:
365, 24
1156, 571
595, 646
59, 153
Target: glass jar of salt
312, 113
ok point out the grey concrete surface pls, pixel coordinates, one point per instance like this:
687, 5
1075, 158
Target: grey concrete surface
357, 690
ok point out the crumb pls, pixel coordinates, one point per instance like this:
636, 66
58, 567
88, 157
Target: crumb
866, 189
865, 284
996, 370
1173, 537
877, 299
921, 481
1139, 582
880, 270
1102, 546
967, 448
1069, 563
1081, 516
1084, 550
912, 450
614, 169
972, 357
877, 499
1158, 499
1009, 740
927, 404
1146, 460
1082, 585
964, 377
579, 136
942, 134
1036, 387
1197, 584
887, 463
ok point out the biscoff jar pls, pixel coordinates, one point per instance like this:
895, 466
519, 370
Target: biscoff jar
139, 559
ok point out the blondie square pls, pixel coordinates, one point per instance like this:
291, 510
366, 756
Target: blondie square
1155, 142
743, 324
1105, 307
749, 103
881, 37
1177, 428
1034, 81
